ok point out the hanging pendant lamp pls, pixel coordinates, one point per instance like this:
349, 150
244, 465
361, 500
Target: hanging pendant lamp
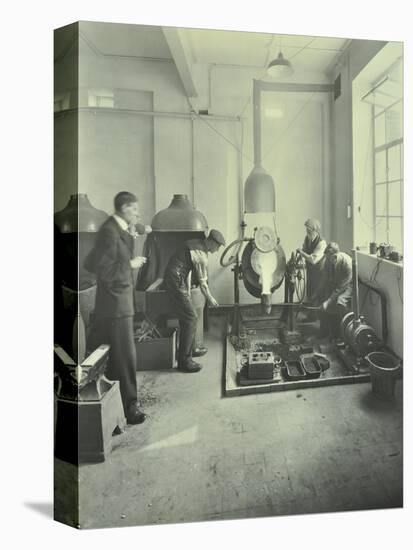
280, 67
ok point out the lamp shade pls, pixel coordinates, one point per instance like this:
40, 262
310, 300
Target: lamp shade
259, 192
280, 67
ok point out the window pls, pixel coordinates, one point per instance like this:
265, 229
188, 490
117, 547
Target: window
101, 98
387, 111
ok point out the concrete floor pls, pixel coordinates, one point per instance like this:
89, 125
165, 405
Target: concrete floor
200, 456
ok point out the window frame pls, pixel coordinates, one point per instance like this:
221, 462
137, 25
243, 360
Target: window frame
385, 147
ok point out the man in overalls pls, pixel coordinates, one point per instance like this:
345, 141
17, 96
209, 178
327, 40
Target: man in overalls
189, 266
334, 292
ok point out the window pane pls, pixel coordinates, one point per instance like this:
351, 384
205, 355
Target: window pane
393, 161
380, 200
395, 208
394, 123
105, 101
381, 230
395, 233
379, 130
381, 167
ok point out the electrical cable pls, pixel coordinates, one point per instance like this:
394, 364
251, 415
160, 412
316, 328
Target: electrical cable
372, 279
203, 119
399, 277
303, 48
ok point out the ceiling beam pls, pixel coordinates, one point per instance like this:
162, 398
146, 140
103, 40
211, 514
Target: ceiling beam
179, 50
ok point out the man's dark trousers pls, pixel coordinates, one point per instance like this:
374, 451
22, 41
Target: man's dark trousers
179, 295
114, 308
118, 333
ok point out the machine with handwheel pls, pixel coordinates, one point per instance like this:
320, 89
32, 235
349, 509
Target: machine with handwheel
260, 262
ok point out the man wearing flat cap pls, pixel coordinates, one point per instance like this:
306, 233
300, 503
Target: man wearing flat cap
334, 291
187, 267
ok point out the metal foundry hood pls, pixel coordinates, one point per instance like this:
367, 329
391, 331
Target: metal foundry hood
179, 216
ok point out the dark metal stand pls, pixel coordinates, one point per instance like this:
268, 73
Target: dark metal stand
289, 334
89, 408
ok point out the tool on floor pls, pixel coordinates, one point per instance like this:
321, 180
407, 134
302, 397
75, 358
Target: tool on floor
146, 330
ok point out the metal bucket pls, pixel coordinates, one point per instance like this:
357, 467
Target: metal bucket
384, 369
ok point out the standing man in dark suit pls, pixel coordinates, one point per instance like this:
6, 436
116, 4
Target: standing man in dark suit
114, 262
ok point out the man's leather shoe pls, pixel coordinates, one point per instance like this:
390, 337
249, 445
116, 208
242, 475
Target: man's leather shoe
190, 366
199, 352
135, 415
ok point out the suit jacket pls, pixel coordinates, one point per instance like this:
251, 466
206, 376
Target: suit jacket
110, 260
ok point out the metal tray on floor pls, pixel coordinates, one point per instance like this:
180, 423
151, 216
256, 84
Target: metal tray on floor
310, 365
294, 370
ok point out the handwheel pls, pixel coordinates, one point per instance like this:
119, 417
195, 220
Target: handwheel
300, 281
231, 260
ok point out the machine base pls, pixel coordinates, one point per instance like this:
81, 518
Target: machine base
236, 382
352, 362
291, 336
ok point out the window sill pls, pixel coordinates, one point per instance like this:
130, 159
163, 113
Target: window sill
377, 259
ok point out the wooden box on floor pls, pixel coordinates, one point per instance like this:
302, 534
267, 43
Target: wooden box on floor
159, 353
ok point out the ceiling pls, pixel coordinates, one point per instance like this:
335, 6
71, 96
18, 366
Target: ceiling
247, 49
114, 39
308, 53
126, 40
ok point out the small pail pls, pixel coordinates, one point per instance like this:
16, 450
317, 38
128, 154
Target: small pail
384, 369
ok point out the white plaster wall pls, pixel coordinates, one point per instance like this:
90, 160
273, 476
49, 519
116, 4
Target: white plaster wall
157, 157
359, 53
389, 278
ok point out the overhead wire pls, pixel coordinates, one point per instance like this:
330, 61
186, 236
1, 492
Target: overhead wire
372, 279
303, 48
284, 132
207, 123
266, 65
214, 129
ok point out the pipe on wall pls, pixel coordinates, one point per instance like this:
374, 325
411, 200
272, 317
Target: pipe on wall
241, 172
193, 161
383, 305
165, 114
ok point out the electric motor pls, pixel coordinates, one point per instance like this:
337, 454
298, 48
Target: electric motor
361, 337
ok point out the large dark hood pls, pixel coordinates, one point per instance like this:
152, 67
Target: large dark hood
171, 227
179, 216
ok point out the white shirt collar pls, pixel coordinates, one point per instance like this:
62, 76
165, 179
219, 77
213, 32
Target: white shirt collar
122, 223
